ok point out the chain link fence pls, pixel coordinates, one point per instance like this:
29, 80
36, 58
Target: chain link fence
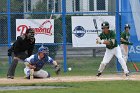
84, 60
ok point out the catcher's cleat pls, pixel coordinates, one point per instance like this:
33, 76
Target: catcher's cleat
10, 77
98, 74
126, 74
48, 75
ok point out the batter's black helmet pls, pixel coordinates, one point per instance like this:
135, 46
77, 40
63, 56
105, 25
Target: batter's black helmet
105, 24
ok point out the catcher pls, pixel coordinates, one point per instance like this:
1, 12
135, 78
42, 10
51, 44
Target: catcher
37, 61
125, 35
107, 37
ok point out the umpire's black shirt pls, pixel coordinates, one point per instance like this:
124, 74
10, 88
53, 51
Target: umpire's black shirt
23, 44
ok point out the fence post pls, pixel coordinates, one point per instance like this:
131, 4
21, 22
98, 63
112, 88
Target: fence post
118, 30
9, 27
64, 34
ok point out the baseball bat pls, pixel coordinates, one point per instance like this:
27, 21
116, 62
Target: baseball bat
31, 73
95, 25
136, 68
51, 15
134, 65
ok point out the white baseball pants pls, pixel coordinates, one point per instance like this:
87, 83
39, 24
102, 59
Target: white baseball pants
124, 49
108, 56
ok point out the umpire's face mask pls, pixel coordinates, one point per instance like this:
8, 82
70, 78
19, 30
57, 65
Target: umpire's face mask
31, 34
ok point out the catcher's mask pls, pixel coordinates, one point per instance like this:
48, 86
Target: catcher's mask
44, 50
30, 33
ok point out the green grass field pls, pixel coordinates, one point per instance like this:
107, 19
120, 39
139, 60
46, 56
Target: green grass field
80, 67
87, 87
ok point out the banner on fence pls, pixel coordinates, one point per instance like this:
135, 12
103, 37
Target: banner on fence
132, 17
84, 29
44, 29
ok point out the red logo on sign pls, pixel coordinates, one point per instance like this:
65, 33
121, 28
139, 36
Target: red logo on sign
45, 28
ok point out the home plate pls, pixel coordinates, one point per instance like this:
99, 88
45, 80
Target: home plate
110, 78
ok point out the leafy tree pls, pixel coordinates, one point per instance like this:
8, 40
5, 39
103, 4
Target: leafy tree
15, 6
3, 5
40, 7
68, 28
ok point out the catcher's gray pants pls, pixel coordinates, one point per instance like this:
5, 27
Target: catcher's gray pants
20, 56
38, 74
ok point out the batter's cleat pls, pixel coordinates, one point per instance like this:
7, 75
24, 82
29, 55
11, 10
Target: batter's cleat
10, 77
27, 77
98, 74
127, 75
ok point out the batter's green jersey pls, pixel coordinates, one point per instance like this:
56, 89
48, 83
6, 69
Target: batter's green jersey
108, 37
125, 35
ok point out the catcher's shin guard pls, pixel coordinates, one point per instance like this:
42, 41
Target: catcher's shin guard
127, 74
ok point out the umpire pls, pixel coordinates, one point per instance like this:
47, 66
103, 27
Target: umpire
21, 48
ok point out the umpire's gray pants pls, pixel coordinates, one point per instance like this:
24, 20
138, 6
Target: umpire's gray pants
20, 56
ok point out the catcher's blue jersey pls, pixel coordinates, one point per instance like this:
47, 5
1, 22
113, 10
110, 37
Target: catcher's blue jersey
37, 62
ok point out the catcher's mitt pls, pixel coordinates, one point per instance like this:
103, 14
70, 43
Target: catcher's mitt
57, 69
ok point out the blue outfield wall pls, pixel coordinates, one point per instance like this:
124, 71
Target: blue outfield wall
131, 15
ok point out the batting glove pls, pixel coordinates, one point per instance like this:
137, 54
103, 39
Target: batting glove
98, 40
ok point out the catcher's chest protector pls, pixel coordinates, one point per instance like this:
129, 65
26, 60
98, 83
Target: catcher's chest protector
39, 63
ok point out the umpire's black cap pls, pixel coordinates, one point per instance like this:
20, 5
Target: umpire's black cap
30, 30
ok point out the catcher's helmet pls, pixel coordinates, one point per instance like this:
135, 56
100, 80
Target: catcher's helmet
105, 24
127, 26
43, 49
